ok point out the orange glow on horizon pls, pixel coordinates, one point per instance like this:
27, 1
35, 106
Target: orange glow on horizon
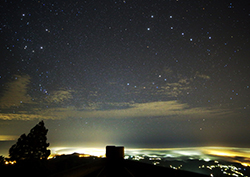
227, 152
84, 155
245, 164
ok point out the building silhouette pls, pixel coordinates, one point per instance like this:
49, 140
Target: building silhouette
114, 152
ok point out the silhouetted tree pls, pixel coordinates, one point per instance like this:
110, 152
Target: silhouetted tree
1, 160
33, 146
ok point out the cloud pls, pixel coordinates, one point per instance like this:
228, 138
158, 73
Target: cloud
165, 109
15, 92
202, 76
58, 96
175, 89
16, 104
8, 137
234, 154
169, 84
25, 116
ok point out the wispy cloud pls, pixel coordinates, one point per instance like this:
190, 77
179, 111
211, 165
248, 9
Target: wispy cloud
166, 109
202, 76
15, 92
8, 137
58, 96
16, 104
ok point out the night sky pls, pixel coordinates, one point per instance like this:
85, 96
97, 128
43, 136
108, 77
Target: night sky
158, 73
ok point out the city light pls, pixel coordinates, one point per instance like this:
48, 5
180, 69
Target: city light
245, 164
9, 162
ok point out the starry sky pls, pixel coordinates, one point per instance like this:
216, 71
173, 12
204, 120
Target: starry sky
162, 73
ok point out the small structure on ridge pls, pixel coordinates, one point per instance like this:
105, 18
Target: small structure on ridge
114, 152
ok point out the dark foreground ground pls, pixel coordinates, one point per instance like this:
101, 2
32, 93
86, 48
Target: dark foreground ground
90, 167
123, 168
